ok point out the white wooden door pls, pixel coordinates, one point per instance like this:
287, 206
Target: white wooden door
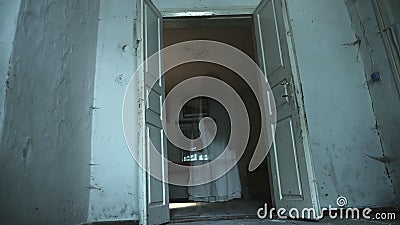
290, 160
149, 31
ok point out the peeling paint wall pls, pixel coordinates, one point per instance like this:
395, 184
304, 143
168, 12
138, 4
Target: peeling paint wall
45, 146
9, 11
384, 94
114, 173
341, 120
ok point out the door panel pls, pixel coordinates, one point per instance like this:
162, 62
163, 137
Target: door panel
286, 162
292, 171
271, 42
156, 210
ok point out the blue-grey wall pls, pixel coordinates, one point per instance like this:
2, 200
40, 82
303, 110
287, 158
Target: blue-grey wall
341, 120
45, 145
114, 193
9, 11
384, 93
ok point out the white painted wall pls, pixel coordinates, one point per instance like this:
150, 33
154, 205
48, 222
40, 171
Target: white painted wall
338, 106
45, 146
9, 11
114, 173
385, 98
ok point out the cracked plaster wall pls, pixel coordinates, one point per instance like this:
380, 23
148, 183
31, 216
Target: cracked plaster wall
384, 93
343, 136
9, 10
113, 173
45, 146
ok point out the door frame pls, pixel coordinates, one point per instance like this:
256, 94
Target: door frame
218, 14
219, 21
143, 176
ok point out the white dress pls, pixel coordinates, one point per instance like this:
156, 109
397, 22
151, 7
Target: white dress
225, 188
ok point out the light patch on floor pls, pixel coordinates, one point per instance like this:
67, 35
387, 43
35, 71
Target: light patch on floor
195, 211
182, 205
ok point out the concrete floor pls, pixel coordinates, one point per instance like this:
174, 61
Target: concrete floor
243, 212
284, 222
233, 209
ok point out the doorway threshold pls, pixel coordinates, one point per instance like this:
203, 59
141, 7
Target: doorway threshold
189, 219
208, 211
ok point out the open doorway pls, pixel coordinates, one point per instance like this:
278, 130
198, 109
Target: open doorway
289, 162
253, 189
